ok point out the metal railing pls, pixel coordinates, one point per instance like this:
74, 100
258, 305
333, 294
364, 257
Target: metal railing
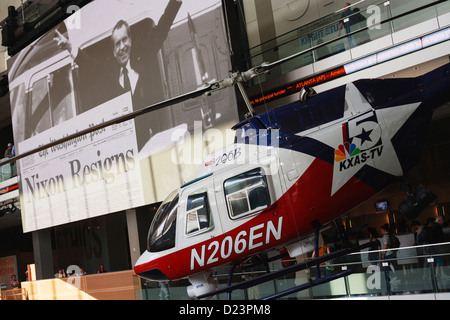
323, 41
421, 269
15, 294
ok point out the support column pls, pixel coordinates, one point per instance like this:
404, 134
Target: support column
267, 31
43, 254
133, 236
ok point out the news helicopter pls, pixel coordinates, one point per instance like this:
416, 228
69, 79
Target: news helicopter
290, 171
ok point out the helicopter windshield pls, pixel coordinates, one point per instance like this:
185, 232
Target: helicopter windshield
161, 235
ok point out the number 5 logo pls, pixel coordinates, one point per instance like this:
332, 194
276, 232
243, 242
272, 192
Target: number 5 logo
363, 131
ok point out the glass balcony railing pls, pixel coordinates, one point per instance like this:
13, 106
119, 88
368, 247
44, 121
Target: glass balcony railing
8, 170
411, 270
376, 26
416, 270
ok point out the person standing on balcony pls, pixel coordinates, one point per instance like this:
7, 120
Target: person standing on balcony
390, 256
14, 282
437, 236
375, 247
346, 22
8, 151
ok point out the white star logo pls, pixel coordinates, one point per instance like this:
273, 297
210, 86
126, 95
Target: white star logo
365, 138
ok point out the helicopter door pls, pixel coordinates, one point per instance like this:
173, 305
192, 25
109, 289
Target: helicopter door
245, 191
198, 216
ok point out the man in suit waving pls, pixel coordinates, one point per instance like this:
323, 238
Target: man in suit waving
133, 66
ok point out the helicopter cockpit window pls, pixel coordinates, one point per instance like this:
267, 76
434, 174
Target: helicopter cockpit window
247, 193
51, 101
60, 95
40, 106
197, 212
161, 235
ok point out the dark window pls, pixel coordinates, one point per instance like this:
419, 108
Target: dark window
161, 235
247, 193
197, 212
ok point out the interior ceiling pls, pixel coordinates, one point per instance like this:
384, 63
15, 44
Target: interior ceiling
419, 69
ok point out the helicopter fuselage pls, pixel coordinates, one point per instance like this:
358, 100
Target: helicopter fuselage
290, 169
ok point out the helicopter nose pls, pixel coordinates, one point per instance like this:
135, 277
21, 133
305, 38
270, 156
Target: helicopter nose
145, 268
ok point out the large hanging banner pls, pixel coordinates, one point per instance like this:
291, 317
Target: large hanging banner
109, 59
